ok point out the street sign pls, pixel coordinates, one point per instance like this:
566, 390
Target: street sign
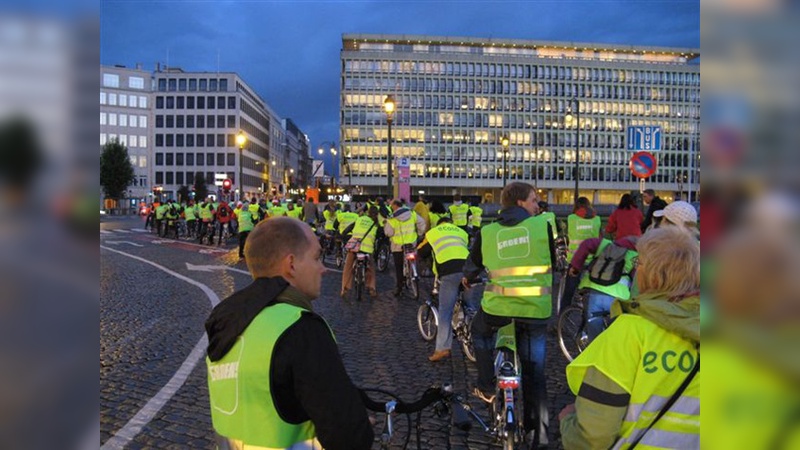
403, 162
318, 168
643, 164
646, 138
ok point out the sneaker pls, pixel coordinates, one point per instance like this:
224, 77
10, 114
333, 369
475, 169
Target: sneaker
486, 397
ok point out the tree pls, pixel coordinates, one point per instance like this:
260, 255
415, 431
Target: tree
200, 189
116, 170
183, 194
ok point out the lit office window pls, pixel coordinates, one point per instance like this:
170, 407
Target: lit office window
123, 120
123, 100
143, 141
103, 98
133, 141
142, 102
103, 118
103, 138
134, 122
112, 99
136, 82
112, 119
132, 101
142, 121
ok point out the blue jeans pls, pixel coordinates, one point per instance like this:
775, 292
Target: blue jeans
531, 345
448, 295
597, 305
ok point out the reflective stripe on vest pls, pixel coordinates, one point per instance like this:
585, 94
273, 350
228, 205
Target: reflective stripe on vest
240, 390
309, 444
405, 232
518, 260
580, 229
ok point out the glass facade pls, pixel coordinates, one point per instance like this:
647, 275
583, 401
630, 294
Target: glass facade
455, 100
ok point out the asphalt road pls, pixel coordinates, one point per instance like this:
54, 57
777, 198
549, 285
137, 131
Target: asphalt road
155, 295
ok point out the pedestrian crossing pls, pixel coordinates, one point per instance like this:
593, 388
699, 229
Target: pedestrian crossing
120, 231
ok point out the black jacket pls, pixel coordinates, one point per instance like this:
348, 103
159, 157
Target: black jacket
307, 376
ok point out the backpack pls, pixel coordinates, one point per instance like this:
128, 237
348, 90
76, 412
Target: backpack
173, 211
223, 212
608, 267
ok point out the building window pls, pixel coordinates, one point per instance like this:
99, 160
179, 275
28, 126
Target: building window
199, 158
110, 80
231, 159
103, 138
220, 159
190, 102
136, 82
192, 84
189, 157
209, 159
182, 84
123, 120
170, 102
159, 102
203, 84
179, 140
170, 121
190, 139
201, 102
123, 100
210, 140
210, 121
231, 102
162, 85
112, 119
134, 121
159, 159
220, 102
231, 140
143, 163
170, 140
133, 141
201, 140
190, 121
102, 98
142, 101
179, 103
179, 121
170, 159
159, 177
112, 99
143, 141
190, 178
123, 139
132, 101
103, 118
142, 121
209, 177
179, 157
223, 85
220, 121
212, 85
178, 177
159, 140
201, 121
220, 140
173, 85
170, 178
210, 103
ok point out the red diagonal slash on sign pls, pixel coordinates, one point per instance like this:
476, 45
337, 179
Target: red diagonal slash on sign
643, 164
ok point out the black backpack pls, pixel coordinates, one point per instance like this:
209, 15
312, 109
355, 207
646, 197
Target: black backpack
223, 212
608, 267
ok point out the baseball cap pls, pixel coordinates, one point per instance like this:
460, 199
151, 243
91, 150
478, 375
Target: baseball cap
678, 212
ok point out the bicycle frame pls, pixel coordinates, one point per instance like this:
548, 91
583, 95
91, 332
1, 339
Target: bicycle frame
508, 372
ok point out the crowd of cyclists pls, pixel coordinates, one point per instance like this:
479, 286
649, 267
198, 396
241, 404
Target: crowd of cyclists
651, 258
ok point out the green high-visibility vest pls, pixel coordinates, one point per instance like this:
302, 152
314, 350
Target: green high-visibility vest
520, 271
245, 220
205, 212
405, 232
346, 219
254, 210
363, 225
475, 218
294, 212
435, 218
449, 242
652, 367
278, 211
190, 212
459, 214
330, 218
551, 219
580, 229
621, 289
239, 386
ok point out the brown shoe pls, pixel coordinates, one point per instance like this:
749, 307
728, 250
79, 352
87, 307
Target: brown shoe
438, 355
373, 293
343, 293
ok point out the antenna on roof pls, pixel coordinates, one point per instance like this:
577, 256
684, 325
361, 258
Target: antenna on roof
217, 62
167, 65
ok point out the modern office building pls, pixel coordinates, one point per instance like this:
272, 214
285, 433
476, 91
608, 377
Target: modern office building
126, 116
197, 118
457, 98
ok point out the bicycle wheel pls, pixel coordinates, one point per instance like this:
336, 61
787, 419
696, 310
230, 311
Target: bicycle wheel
572, 336
339, 257
562, 284
427, 321
359, 281
382, 257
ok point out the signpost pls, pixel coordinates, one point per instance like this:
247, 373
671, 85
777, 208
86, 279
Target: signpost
643, 165
647, 138
404, 179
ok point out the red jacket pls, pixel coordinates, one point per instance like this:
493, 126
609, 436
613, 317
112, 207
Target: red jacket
625, 222
225, 219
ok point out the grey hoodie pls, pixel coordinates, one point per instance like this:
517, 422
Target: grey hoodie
403, 214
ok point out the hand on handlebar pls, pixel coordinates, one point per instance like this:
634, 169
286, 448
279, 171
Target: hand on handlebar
573, 272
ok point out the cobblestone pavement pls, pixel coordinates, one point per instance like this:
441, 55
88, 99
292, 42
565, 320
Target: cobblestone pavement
151, 320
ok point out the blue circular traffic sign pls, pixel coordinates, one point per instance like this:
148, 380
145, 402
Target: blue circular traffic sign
643, 164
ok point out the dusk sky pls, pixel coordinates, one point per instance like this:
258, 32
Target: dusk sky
288, 51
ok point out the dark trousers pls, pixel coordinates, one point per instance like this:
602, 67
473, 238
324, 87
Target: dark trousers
204, 230
398, 268
190, 227
242, 240
222, 230
531, 346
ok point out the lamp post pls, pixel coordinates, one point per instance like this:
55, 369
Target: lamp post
504, 142
241, 139
388, 107
577, 143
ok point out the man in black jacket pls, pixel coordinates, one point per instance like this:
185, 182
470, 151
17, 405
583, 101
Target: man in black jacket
301, 384
655, 204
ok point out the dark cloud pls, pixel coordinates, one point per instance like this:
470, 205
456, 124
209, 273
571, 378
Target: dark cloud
289, 51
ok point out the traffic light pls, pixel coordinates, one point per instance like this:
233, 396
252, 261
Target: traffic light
226, 185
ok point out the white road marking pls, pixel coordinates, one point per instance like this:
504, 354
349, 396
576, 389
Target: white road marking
134, 426
190, 266
125, 242
122, 231
140, 230
105, 232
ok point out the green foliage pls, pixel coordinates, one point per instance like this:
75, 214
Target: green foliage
116, 170
183, 194
200, 189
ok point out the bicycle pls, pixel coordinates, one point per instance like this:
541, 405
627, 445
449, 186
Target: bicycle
428, 320
410, 274
573, 337
444, 399
382, 252
360, 274
561, 267
226, 233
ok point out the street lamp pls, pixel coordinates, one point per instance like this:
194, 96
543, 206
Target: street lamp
504, 142
388, 107
577, 143
241, 139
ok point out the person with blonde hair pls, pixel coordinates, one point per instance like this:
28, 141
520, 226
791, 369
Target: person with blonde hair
648, 394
